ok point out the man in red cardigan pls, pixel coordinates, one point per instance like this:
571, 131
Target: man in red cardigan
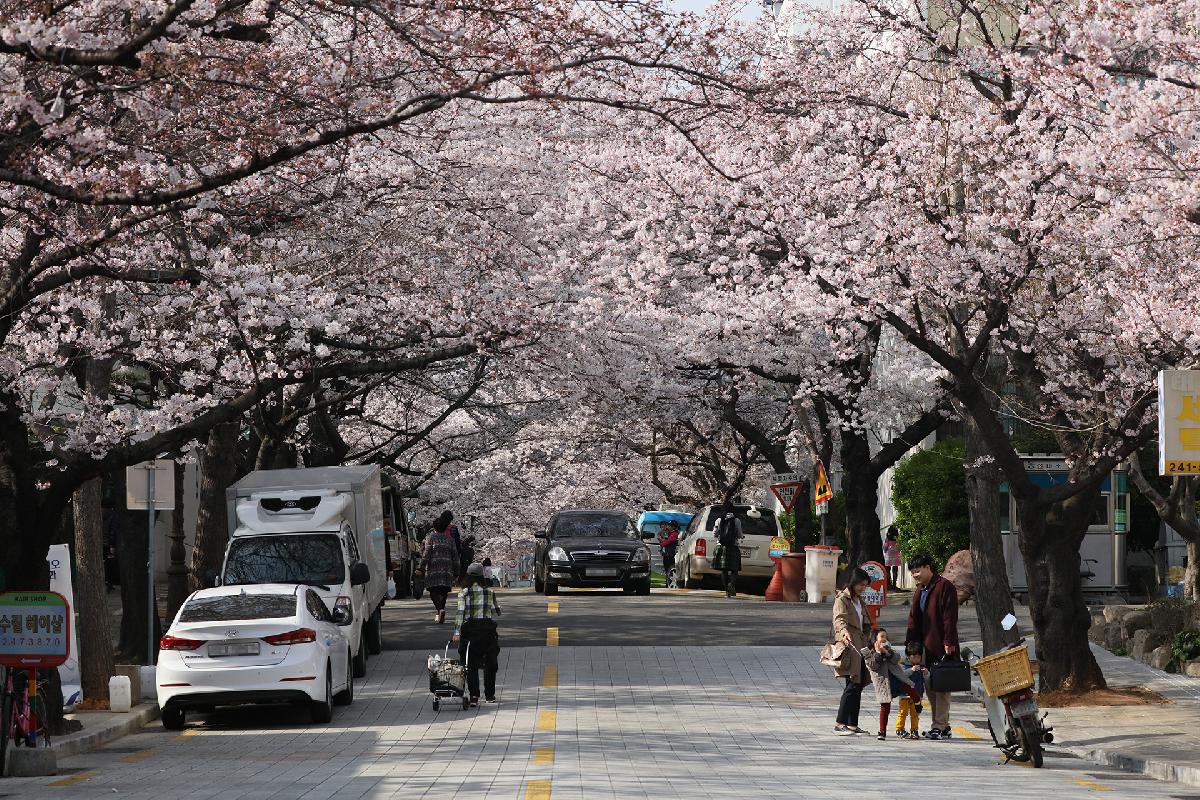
933, 621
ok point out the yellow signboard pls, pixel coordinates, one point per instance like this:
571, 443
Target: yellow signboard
824, 490
1179, 422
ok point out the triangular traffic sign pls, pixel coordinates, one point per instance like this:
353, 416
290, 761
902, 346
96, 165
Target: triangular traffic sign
787, 493
824, 490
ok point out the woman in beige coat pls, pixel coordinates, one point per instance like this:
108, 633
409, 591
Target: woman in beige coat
850, 624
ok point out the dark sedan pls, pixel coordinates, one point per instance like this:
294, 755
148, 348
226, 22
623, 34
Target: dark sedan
591, 547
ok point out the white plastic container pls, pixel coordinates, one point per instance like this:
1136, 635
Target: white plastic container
820, 572
120, 694
148, 682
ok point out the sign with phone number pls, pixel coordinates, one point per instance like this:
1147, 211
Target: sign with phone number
1177, 467
35, 629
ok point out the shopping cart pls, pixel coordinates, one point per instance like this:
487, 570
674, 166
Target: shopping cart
448, 678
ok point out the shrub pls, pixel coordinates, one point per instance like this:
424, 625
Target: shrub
929, 492
1184, 647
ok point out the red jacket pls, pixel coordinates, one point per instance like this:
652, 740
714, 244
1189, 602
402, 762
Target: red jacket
937, 625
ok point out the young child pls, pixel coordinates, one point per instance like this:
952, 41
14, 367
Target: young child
884, 664
910, 706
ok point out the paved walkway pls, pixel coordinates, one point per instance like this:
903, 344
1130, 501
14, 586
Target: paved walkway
575, 723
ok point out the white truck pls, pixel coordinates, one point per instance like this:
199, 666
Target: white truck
323, 527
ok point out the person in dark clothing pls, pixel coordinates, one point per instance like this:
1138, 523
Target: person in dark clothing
466, 557
729, 534
933, 621
668, 543
475, 631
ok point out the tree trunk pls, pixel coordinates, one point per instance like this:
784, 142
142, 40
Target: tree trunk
1191, 577
1050, 540
860, 487
993, 594
177, 570
91, 605
218, 470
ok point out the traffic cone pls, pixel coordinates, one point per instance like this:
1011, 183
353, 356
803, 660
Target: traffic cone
775, 587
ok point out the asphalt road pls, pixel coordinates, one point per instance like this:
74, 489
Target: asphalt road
666, 618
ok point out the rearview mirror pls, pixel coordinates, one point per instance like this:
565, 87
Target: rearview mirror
360, 573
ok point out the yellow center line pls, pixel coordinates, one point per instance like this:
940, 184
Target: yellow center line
967, 734
1097, 787
543, 755
133, 758
552, 607
186, 734
537, 790
550, 677
74, 779
551, 637
547, 720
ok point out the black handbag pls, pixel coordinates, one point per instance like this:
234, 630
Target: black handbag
951, 674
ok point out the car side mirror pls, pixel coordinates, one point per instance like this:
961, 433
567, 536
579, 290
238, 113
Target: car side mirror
211, 579
360, 573
541, 535
647, 535
340, 616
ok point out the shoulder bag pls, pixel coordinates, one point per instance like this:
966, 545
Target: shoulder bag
835, 654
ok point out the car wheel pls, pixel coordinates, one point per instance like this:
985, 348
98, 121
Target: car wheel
359, 662
643, 588
346, 696
673, 579
551, 588
173, 718
373, 632
322, 710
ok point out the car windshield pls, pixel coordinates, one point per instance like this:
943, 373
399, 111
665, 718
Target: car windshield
580, 526
762, 525
238, 606
307, 558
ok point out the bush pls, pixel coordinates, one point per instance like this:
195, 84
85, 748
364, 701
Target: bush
929, 491
1184, 647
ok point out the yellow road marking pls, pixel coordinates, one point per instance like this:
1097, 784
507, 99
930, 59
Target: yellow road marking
1098, 787
74, 779
547, 720
552, 607
133, 758
186, 734
543, 755
966, 734
537, 790
550, 677
551, 637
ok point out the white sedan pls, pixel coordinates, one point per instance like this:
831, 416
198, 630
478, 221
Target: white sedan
266, 643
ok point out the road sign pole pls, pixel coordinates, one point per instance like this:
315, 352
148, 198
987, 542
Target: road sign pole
150, 614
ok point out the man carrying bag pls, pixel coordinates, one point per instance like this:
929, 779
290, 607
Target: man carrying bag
933, 621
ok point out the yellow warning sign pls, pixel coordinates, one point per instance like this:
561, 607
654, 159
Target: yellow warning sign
824, 491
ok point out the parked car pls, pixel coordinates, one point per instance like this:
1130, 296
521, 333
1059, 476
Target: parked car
693, 565
591, 547
268, 643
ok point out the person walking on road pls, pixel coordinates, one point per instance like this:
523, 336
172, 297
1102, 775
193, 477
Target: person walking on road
439, 564
668, 543
933, 621
729, 535
476, 634
849, 621
891, 557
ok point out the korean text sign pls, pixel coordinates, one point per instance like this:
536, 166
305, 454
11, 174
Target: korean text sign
35, 629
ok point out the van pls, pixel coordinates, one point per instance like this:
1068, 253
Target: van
693, 559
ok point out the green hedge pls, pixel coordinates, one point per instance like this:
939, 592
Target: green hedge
929, 492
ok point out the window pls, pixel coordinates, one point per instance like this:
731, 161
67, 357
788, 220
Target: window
597, 525
352, 546
230, 607
303, 558
317, 607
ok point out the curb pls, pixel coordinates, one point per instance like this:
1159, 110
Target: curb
135, 720
1161, 770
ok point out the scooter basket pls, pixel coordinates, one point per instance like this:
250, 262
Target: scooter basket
1005, 672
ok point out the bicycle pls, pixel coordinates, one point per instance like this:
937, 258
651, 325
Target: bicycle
22, 717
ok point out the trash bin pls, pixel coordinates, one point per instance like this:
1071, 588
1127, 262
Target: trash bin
792, 577
820, 571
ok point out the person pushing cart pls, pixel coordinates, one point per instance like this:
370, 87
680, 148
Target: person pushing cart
476, 633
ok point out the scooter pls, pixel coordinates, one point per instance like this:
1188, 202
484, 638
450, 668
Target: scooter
1017, 728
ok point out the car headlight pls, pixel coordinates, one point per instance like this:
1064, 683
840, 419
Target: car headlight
557, 554
641, 556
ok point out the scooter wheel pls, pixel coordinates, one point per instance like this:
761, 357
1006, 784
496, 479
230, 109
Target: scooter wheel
437, 704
